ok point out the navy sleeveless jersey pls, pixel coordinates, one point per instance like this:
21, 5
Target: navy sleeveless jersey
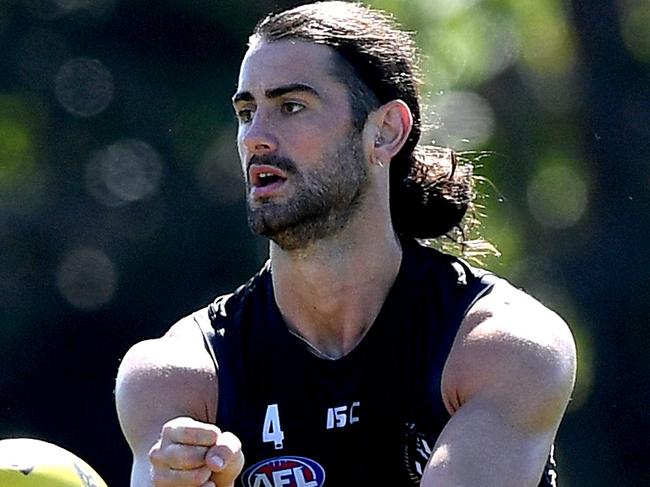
370, 417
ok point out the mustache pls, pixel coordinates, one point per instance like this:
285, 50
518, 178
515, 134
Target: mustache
283, 163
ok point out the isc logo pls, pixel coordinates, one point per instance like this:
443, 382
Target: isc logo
284, 472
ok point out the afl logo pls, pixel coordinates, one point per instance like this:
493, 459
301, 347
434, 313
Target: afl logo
285, 471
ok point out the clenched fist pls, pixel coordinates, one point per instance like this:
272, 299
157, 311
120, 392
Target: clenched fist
195, 454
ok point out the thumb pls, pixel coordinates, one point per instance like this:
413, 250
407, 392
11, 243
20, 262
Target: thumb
225, 459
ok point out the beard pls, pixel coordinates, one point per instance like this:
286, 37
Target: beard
324, 199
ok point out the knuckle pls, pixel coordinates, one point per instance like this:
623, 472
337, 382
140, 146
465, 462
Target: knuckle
229, 442
175, 423
228, 449
155, 454
189, 431
169, 427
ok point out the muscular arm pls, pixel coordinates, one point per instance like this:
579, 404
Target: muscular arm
159, 380
506, 383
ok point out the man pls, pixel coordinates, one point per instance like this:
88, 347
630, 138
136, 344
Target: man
355, 356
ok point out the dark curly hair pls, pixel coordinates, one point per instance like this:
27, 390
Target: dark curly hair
431, 190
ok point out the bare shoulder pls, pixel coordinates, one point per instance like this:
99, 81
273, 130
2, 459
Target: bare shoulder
512, 351
163, 378
180, 348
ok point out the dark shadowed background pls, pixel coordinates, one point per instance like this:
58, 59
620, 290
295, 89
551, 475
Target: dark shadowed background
121, 205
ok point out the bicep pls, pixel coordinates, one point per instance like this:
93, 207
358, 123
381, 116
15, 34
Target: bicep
159, 380
481, 446
507, 382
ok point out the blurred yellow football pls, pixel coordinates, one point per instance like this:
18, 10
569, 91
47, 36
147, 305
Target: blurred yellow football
26, 462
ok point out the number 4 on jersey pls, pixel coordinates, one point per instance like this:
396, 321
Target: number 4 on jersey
272, 431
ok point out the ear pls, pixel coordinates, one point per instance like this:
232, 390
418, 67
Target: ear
388, 129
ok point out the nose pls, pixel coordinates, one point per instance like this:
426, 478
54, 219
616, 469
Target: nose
257, 137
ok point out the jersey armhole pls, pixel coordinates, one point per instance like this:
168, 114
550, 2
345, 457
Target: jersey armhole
484, 286
478, 289
202, 320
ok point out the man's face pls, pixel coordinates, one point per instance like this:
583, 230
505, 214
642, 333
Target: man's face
303, 162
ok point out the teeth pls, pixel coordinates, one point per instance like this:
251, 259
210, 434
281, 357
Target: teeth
266, 175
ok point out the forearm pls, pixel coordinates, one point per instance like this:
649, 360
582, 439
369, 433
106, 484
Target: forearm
465, 472
478, 448
141, 472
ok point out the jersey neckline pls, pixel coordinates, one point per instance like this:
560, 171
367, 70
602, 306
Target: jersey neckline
381, 321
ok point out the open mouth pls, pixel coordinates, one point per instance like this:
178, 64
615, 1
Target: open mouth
265, 179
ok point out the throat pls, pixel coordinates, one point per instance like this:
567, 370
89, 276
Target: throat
330, 301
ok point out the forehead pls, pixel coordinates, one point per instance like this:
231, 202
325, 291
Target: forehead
270, 64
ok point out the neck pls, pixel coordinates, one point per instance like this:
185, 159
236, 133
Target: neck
331, 292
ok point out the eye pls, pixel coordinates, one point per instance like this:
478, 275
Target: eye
244, 115
292, 107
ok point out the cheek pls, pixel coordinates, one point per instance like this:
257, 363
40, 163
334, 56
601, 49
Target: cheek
311, 143
241, 150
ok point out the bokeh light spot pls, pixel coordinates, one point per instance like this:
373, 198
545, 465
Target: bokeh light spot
23, 174
45, 9
635, 27
446, 9
127, 171
54, 9
557, 196
15, 150
87, 5
87, 278
547, 44
84, 87
469, 49
462, 120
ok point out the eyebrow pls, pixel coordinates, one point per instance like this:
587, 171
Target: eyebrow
277, 92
